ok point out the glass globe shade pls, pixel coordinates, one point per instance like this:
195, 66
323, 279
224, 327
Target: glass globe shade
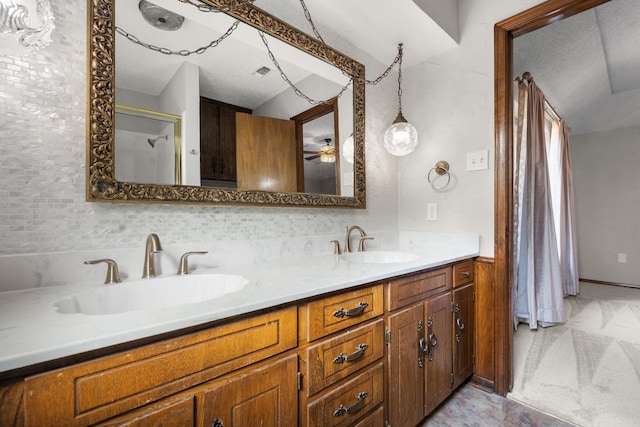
401, 138
347, 149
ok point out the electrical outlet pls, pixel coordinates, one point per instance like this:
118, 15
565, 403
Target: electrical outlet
432, 211
478, 160
622, 258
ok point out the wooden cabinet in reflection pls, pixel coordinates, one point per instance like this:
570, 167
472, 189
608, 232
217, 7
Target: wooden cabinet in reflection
218, 142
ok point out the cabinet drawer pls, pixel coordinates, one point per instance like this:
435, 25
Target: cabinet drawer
335, 358
415, 288
332, 314
348, 403
97, 390
463, 273
374, 420
174, 413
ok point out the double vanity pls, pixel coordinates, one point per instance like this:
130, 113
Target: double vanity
356, 338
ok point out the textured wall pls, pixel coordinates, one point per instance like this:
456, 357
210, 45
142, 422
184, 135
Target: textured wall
42, 165
607, 200
451, 105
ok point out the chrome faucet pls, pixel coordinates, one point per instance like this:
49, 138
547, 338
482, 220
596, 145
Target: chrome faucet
363, 237
152, 246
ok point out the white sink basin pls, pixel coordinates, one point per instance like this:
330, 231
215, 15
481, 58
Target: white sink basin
379, 257
152, 294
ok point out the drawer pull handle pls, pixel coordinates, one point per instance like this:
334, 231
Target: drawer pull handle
357, 311
432, 340
465, 273
341, 358
459, 324
353, 408
217, 423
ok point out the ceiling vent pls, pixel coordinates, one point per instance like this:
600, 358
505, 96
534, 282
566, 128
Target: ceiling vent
262, 71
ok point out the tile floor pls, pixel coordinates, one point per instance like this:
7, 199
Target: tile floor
472, 407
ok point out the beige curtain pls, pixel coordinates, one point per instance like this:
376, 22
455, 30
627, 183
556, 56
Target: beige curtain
567, 218
538, 282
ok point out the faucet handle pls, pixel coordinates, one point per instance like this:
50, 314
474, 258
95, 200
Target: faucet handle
336, 247
183, 267
361, 244
113, 275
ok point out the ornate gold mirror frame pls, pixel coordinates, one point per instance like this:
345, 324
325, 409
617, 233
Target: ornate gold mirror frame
101, 183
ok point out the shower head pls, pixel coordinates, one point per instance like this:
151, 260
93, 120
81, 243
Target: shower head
152, 141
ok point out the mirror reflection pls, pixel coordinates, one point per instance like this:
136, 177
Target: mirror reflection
147, 146
243, 126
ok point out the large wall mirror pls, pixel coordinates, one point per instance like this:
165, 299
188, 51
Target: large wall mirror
267, 114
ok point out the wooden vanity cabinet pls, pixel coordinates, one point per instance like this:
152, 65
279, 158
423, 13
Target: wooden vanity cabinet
430, 341
98, 390
341, 349
383, 354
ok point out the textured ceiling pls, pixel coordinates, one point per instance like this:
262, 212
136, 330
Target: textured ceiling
374, 26
588, 66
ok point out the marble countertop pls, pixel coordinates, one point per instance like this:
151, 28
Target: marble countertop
32, 331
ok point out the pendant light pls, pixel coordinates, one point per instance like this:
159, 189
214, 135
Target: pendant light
401, 138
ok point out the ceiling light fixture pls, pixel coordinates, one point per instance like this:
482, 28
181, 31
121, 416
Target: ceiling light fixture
159, 17
328, 152
401, 138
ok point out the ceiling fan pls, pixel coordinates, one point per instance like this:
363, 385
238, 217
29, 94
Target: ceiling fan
326, 154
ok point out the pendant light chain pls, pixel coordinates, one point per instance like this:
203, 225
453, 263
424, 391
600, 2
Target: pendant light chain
400, 78
183, 52
307, 15
397, 59
289, 82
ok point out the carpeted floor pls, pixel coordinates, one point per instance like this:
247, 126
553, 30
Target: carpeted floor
587, 370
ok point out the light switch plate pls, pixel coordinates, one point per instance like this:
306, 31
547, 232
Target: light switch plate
478, 160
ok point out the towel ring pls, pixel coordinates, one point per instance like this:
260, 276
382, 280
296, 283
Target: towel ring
441, 168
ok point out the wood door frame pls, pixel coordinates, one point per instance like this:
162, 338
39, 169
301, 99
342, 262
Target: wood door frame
330, 106
504, 33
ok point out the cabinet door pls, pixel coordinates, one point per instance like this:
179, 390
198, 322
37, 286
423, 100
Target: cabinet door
266, 396
227, 155
405, 374
463, 351
437, 347
209, 139
257, 139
